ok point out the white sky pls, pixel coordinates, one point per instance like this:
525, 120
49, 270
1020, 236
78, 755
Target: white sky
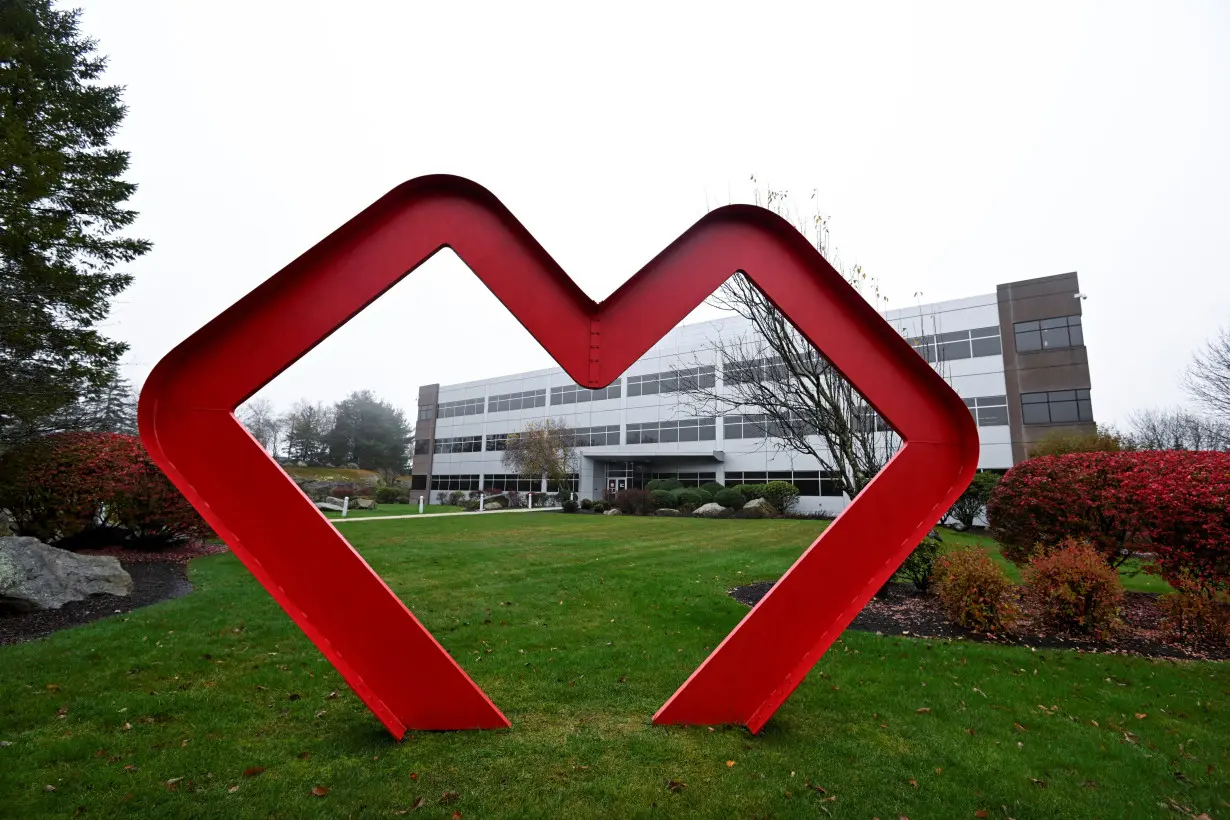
954, 146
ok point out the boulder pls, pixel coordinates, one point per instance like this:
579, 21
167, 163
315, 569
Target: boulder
35, 576
613, 511
492, 505
667, 511
761, 505
334, 500
365, 504
321, 505
710, 510
7, 524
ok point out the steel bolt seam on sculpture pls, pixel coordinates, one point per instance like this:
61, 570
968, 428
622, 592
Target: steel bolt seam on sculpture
392, 662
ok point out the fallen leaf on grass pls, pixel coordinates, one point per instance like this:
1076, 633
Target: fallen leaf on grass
1041, 784
170, 784
322, 713
319, 791
418, 803
675, 786
926, 710
253, 771
126, 727
49, 788
913, 782
232, 790
982, 813
457, 814
293, 696
62, 712
729, 763
304, 755
130, 768
53, 687
414, 775
450, 797
939, 771
1089, 784
1019, 727
1141, 715
332, 695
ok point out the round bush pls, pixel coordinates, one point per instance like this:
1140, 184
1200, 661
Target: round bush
692, 497
654, 484
671, 484
712, 488
569, 506
731, 499
1073, 589
387, 495
599, 507
1197, 615
919, 566
587, 504
73, 488
782, 495
662, 499
973, 591
750, 491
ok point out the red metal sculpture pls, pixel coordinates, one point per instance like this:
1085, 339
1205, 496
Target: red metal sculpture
394, 664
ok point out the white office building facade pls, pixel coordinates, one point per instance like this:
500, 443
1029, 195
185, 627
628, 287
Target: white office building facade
1016, 356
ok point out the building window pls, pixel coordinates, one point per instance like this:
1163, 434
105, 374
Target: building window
753, 371
989, 411
418, 482
674, 381
427, 412
809, 482
497, 442
422, 446
530, 484
1049, 334
1057, 407
454, 482
460, 444
687, 479
595, 436
870, 421
463, 407
653, 432
517, 401
959, 344
576, 394
759, 425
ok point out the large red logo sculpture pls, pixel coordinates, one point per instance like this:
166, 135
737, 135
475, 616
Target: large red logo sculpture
394, 664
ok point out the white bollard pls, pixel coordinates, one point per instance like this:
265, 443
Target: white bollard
345, 505
482, 500
530, 496
420, 505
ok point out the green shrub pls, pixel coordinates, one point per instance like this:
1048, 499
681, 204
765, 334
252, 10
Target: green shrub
973, 502
569, 506
712, 488
387, 495
599, 507
671, 484
974, 592
750, 491
731, 499
782, 495
662, 499
692, 497
919, 565
587, 504
655, 484
1073, 589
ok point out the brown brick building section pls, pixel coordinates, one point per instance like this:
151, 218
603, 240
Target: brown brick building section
1044, 370
424, 436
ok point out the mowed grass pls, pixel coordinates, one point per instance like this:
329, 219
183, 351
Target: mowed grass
579, 628
385, 510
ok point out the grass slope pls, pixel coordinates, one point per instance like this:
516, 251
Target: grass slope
579, 627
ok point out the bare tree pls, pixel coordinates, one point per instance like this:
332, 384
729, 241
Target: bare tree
545, 449
262, 422
1207, 379
1176, 430
775, 381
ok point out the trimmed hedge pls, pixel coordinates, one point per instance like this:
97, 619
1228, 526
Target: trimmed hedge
387, 495
782, 495
750, 491
731, 498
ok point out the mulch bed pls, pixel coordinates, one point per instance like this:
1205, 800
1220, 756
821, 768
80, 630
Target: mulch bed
156, 576
906, 611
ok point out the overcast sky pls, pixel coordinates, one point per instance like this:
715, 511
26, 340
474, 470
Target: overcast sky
953, 146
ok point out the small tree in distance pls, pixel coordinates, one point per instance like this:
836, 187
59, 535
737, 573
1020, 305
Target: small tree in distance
973, 502
545, 449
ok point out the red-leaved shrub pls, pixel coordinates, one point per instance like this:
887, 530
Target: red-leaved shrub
634, 502
1072, 589
973, 591
94, 489
1172, 503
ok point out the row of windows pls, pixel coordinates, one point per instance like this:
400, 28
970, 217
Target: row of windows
463, 407
959, 344
652, 432
1056, 407
460, 444
529, 484
1049, 334
759, 425
575, 393
753, 371
687, 479
989, 411
809, 482
517, 401
595, 436
454, 482
497, 442
674, 381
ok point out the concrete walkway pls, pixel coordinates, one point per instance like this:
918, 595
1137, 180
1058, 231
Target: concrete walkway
441, 515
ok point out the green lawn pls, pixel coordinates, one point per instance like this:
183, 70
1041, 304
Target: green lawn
1130, 573
384, 510
579, 627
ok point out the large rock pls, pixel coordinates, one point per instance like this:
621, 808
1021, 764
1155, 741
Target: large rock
35, 576
332, 499
613, 511
321, 505
761, 505
667, 511
710, 510
365, 504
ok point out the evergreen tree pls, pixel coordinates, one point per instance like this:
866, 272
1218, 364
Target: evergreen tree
61, 211
369, 432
